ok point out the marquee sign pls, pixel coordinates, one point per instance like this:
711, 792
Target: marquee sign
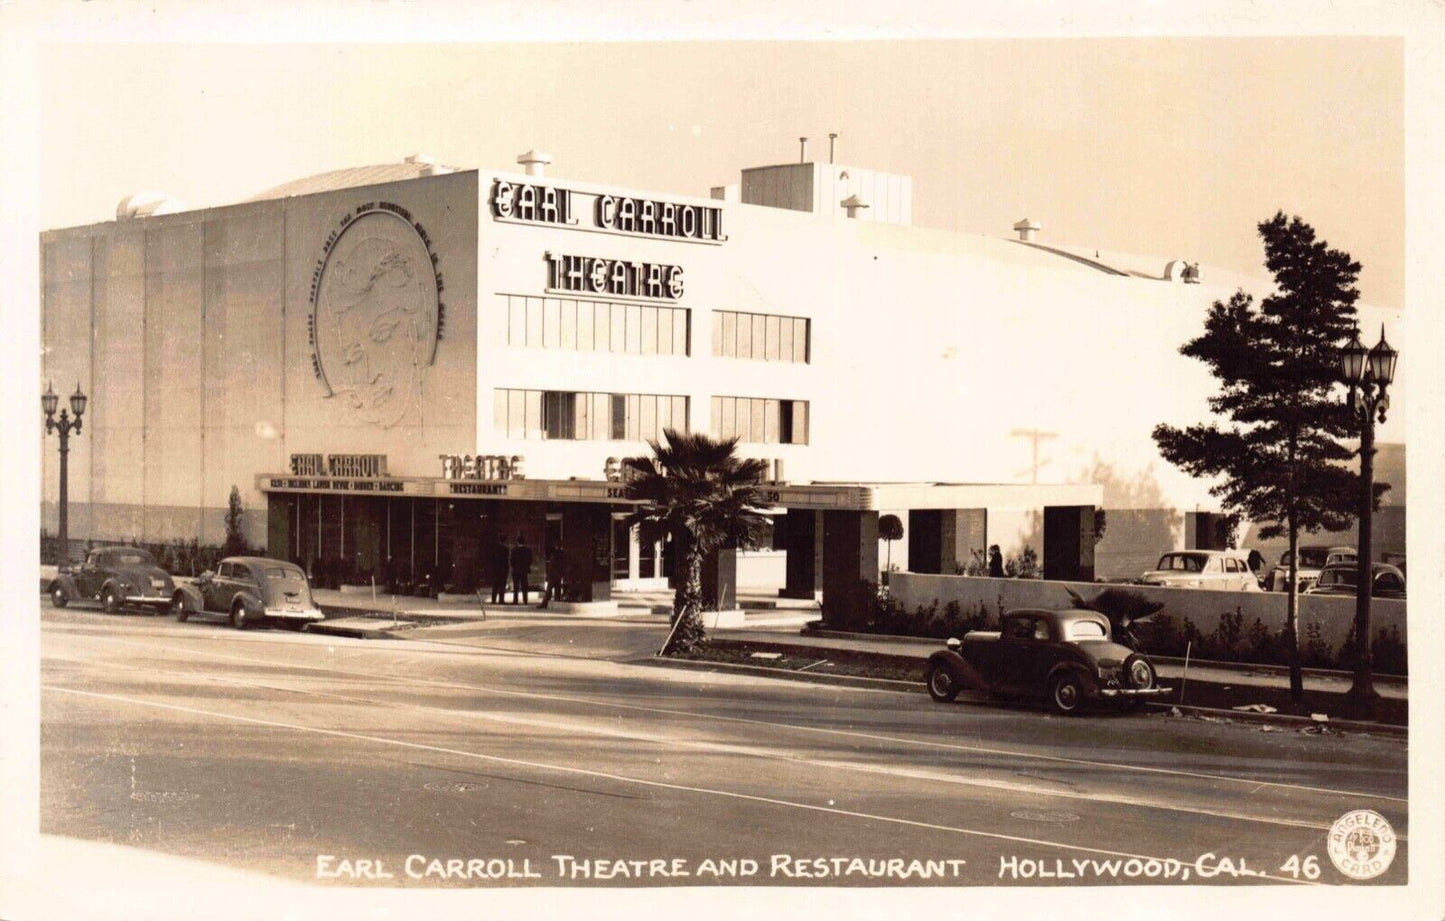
376, 312
339, 465
568, 274
530, 203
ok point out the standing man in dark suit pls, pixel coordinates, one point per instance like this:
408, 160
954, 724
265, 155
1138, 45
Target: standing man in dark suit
498, 560
521, 568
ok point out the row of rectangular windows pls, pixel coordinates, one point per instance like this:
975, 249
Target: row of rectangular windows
760, 335
596, 326
574, 416
643, 329
761, 421
580, 416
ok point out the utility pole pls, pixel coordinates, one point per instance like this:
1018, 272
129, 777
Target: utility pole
1036, 436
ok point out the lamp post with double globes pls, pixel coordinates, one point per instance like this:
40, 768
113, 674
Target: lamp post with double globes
65, 425
1368, 373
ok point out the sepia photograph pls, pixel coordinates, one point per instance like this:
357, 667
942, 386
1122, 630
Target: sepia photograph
553, 460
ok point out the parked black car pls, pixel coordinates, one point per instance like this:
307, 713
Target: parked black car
115, 578
1341, 578
1065, 657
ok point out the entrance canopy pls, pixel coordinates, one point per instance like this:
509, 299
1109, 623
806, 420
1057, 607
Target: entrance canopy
821, 496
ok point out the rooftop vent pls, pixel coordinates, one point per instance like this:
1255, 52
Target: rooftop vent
832, 144
535, 161
802, 150
145, 204
428, 164
1026, 230
1179, 270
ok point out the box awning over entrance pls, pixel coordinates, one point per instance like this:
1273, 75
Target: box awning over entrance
839, 496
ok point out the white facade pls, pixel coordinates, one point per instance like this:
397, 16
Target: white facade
927, 353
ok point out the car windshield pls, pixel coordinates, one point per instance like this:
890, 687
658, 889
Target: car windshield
1313, 557
131, 558
1337, 577
1183, 562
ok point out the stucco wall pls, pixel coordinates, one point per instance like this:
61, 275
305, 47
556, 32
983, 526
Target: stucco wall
1335, 616
190, 334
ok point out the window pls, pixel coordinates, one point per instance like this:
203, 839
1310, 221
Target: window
572, 416
559, 415
759, 420
769, 337
1086, 630
1019, 628
597, 326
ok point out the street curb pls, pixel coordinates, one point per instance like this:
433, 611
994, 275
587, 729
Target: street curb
883, 637
1285, 719
325, 629
850, 681
887, 684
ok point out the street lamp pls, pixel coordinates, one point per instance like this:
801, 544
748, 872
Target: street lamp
65, 425
1368, 373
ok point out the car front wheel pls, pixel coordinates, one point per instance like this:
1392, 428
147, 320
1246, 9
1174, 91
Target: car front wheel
1066, 694
110, 601
942, 686
58, 597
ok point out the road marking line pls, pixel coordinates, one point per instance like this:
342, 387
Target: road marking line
731, 748
621, 778
848, 733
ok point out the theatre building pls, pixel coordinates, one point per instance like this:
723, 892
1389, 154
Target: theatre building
398, 365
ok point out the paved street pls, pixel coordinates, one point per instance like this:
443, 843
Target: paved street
534, 753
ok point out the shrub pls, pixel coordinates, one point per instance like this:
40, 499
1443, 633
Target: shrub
1023, 566
1388, 652
1316, 653
1228, 632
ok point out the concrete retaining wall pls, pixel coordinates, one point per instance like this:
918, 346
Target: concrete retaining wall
1334, 615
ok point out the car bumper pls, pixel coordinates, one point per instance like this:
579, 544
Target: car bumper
310, 614
1135, 692
148, 599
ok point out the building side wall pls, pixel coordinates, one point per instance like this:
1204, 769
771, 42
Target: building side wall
190, 333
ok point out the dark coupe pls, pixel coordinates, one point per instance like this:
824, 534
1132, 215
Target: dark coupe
1065, 657
117, 577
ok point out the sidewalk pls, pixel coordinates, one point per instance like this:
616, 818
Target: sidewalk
760, 610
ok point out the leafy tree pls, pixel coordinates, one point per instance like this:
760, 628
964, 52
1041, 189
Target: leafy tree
696, 490
1280, 458
890, 528
235, 516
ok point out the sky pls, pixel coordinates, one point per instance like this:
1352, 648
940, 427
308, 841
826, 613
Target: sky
1175, 147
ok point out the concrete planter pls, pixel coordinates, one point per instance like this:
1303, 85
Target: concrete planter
713, 620
591, 608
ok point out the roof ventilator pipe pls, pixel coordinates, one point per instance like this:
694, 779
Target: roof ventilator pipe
535, 161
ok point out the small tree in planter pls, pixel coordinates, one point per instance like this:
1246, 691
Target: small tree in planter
890, 528
235, 525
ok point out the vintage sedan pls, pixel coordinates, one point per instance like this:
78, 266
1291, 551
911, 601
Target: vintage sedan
1228, 570
116, 578
249, 590
1065, 657
1312, 559
1341, 579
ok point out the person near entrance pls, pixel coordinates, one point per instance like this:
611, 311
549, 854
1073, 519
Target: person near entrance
498, 562
995, 562
521, 568
553, 588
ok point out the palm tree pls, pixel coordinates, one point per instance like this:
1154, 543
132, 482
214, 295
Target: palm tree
697, 491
